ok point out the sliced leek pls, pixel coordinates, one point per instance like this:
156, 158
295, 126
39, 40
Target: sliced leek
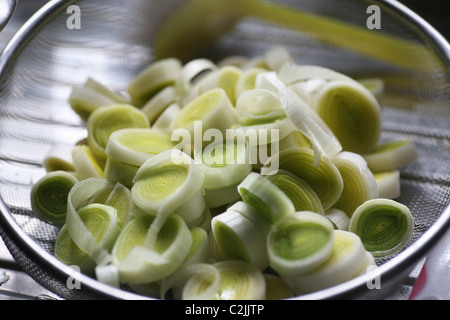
143, 260
277, 56
212, 108
324, 179
303, 117
347, 258
247, 80
301, 194
91, 96
375, 86
166, 183
103, 122
239, 280
199, 251
128, 149
359, 182
224, 165
80, 198
49, 196
69, 253
385, 226
299, 242
59, 157
391, 155
352, 113
239, 238
339, 218
264, 196
388, 184
192, 72
164, 123
85, 163
120, 199
159, 102
154, 78
259, 106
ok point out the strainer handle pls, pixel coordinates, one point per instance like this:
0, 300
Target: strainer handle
7, 8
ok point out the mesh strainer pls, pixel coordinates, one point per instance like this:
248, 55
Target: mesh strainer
117, 40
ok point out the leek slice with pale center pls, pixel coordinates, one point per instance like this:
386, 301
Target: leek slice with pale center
299, 242
128, 149
103, 122
239, 280
301, 194
212, 108
143, 260
49, 194
385, 226
247, 80
59, 157
164, 123
160, 102
389, 156
359, 182
324, 179
154, 78
224, 165
276, 288
347, 258
264, 196
169, 182
339, 218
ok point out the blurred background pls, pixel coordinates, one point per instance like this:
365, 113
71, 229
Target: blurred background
14, 284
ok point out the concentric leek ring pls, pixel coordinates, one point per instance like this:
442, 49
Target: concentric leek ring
104, 121
300, 242
384, 226
324, 179
301, 194
352, 113
49, 197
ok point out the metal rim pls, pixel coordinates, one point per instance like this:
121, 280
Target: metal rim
350, 289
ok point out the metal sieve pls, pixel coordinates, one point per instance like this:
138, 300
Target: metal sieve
114, 41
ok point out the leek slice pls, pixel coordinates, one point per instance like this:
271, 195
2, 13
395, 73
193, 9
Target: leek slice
81, 196
140, 261
339, 218
154, 78
264, 196
59, 157
224, 165
103, 122
301, 194
239, 238
233, 60
277, 56
303, 117
91, 96
259, 106
164, 123
169, 182
192, 72
324, 179
247, 80
359, 182
347, 258
391, 155
49, 196
212, 108
199, 251
375, 86
385, 226
158, 103
69, 253
239, 280
120, 199
128, 149
388, 184
299, 242
351, 112
276, 288
85, 163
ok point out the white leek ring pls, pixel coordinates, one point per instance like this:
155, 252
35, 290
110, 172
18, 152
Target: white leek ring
391, 155
85, 163
388, 184
59, 157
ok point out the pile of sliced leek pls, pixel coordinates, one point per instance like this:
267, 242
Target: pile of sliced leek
252, 178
